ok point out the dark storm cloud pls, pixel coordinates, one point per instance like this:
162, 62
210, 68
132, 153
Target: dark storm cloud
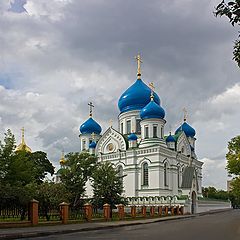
182, 44
59, 55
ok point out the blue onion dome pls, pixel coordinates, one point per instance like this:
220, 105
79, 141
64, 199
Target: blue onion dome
136, 97
90, 126
92, 145
170, 138
132, 137
185, 127
152, 110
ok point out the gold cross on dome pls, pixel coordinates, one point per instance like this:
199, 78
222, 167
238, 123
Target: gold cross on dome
93, 136
90, 108
151, 85
110, 122
23, 131
139, 61
185, 114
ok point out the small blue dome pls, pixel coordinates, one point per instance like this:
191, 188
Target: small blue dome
136, 97
170, 138
92, 145
189, 131
90, 126
132, 137
152, 110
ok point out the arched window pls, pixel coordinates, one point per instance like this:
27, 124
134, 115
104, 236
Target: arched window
155, 131
182, 150
128, 126
146, 135
165, 175
121, 130
83, 144
138, 126
145, 174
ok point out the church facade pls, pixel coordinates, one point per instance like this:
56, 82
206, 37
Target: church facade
151, 163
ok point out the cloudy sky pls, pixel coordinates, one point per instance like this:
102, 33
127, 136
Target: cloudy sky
56, 56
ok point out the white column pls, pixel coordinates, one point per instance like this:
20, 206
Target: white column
142, 131
124, 126
150, 130
133, 124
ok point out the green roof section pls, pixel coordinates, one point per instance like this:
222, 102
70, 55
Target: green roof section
175, 136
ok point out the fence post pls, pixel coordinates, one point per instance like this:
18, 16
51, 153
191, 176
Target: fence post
177, 210
152, 211
64, 209
144, 211
182, 210
172, 210
160, 211
106, 211
166, 210
133, 211
88, 211
121, 211
34, 212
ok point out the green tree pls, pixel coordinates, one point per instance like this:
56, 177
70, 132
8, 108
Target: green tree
6, 153
235, 193
79, 167
18, 170
21, 167
49, 195
233, 167
233, 156
231, 9
107, 185
213, 193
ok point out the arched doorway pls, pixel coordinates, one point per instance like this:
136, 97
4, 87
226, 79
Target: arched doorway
194, 202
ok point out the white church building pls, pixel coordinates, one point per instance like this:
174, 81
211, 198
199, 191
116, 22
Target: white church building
152, 163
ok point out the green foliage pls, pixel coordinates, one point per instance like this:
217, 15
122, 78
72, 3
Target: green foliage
49, 195
107, 185
6, 153
235, 193
78, 169
18, 171
233, 156
213, 193
231, 9
233, 167
21, 168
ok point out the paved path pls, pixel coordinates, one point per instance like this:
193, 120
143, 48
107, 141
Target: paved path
124, 229
218, 226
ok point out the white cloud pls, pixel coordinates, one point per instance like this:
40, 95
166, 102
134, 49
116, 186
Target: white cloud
53, 10
214, 173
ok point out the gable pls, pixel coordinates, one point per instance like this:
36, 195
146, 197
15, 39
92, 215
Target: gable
110, 142
183, 143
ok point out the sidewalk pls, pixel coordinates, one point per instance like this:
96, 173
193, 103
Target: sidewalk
25, 232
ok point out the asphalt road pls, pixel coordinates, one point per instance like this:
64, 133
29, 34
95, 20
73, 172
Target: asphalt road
219, 226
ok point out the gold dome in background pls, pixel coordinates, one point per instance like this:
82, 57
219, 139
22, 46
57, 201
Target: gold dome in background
62, 160
23, 146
